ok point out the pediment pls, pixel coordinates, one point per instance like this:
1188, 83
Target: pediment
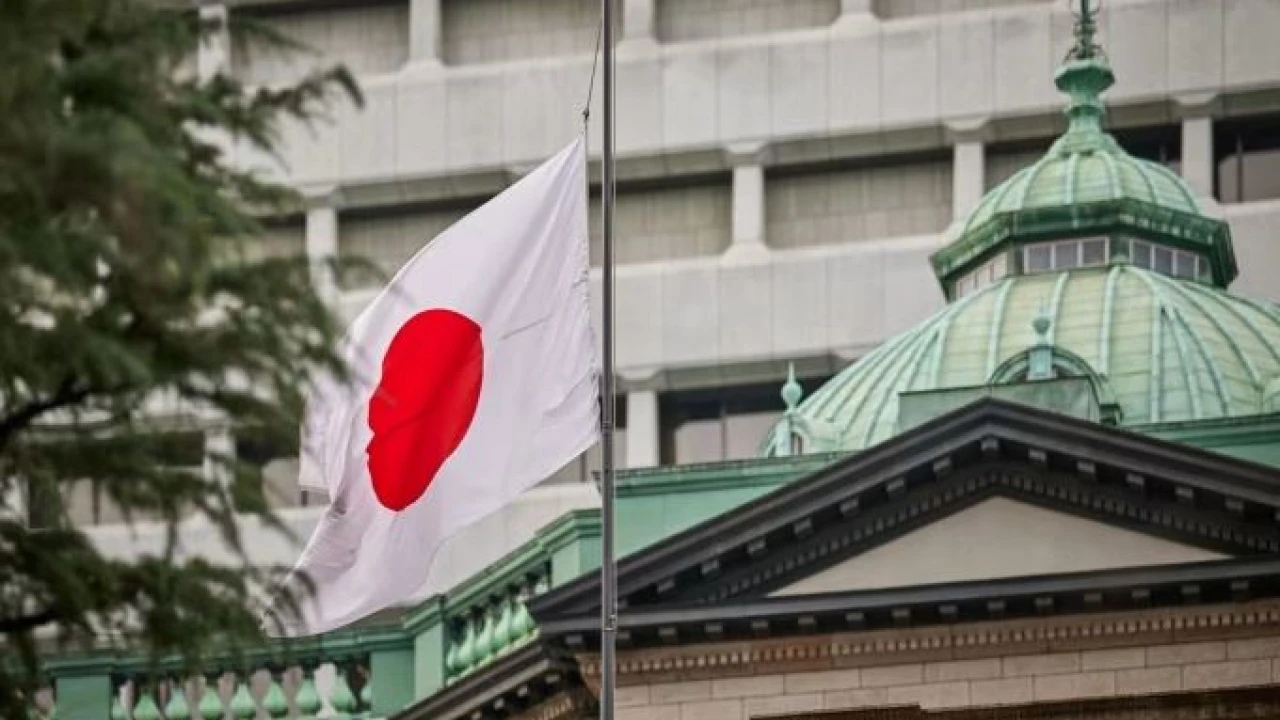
1038, 493
997, 538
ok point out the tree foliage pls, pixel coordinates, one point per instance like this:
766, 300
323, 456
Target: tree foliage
134, 313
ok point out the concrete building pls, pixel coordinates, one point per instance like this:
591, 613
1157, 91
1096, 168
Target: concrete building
821, 185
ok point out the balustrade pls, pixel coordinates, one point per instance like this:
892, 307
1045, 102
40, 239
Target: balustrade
338, 688
493, 626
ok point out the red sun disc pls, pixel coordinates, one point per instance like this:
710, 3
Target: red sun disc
424, 403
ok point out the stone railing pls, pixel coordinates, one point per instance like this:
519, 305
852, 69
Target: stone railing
336, 676
493, 624
304, 690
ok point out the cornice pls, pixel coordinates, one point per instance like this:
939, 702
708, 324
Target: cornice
1220, 704
571, 704
1128, 506
808, 653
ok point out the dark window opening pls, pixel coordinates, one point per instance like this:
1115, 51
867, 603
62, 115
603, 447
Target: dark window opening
1246, 154
716, 424
1159, 143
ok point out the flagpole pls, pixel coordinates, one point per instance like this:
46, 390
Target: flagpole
608, 569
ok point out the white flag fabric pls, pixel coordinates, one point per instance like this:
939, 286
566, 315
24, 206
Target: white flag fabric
474, 376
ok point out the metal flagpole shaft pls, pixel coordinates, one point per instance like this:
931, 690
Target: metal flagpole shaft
608, 570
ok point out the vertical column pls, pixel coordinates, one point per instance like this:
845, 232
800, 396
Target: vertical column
639, 22
214, 53
969, 165
748, 213
322, 241
426, 38
642, 428
1197, 141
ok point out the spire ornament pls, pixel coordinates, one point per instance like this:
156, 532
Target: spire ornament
1085, 30
1084, 76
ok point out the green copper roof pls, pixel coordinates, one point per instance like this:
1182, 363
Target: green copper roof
1128, 345
1086, 185
1166, 349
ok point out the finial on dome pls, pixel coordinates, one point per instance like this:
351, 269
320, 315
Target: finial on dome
791, 390
1085, 74
1041, 324
1040, 357
1085, 30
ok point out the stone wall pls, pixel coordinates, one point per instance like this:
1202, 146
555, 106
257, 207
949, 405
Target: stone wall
1002, 164
389, 240
958, 683
485, 31
834, 206
279, 240
667, 223
699, 19
368, 40
912, 8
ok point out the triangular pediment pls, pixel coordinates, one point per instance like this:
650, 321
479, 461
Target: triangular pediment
988, 492
997, 538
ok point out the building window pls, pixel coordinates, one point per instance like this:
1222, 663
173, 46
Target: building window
277, 459
986, 274
1064, 255
716, 424
367, 38
682, 20
1247, 157
854, 200
1167, 261
1158, 143
89, 501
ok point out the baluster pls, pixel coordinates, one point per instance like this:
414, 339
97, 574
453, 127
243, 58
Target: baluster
366, 696
484, 643
307, 699
466, 653
502, 635
522, 623
144, 703
177, 708
210, 701
44, 703
452, 661
242, 705
340, 698
274, 701
122, 695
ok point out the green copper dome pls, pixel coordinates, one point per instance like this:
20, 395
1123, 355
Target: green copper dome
1086, 185
1089, 282
1091, 169
1159, 349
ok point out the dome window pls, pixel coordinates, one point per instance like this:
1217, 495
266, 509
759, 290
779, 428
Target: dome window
1167, 261
986, 274
1065, 254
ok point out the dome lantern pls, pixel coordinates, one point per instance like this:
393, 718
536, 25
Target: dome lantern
1086, 202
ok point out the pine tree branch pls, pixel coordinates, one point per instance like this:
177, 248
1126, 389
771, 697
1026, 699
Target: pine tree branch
25, 623
67, 394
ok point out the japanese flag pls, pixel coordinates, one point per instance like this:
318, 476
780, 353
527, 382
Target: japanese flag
474, 376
